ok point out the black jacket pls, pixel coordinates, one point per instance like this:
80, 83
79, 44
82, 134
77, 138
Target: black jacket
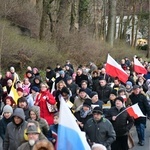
123, 122
143, 104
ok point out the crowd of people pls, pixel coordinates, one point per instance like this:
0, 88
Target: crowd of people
95, 99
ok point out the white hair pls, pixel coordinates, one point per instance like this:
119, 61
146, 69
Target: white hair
98, 147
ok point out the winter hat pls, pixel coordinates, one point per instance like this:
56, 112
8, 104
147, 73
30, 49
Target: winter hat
135, 87
98, 110
61, 72
29, 71
87, 102
129, 83
119, 98
82, 90
69, 78
20, 89
35, 88
114, 92
32, 129
65, 90
7, 109
93, 93
26, 90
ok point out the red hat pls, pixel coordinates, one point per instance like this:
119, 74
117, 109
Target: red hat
20, 89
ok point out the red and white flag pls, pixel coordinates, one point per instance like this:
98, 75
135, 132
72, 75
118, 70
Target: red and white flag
115, 70
138, 67
135, 111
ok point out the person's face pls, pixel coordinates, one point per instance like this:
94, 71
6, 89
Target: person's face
116, 82
69, 81
17, 120
102, 82
95, 98
118, 104
82, 94
122, 93
128, 86
9, 84
43, 88
26, 81
97, 116
37, 81
79, 72
7, 115
22, 105
33, 115
33, 136
84, 85
8, 102
112, 96
61, 86
56, 119
136, 91
20, 94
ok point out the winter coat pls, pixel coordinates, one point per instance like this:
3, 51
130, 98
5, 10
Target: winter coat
143, 104
42, 122
14, 136
101, 132
41, 100
123, 122
3, 124
104, 93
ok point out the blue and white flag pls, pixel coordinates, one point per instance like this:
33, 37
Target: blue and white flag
70, 137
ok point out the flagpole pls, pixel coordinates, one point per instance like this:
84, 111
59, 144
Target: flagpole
122, 111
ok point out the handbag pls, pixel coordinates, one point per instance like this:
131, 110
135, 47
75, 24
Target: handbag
130, 141
51, 108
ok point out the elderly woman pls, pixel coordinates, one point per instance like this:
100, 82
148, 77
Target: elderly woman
43, 99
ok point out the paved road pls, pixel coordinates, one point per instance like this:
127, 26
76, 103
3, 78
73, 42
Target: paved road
133, 131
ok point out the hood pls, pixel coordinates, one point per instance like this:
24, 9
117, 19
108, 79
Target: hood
36, 110
43, 144
19, 113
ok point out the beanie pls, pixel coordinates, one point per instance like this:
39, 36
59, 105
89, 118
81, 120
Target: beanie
8, 109
35, 88
114, 92
119, 98
97, 110
93, 93
129, 83
65, 90
61, 72
26, 90
87, 102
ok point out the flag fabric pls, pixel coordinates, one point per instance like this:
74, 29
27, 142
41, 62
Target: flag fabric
135, 111
13, 93
69, 136
138, 67
115, 70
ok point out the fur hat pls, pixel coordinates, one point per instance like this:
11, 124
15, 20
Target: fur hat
119, 98
7, 109
97, 110
43, 144
93, 93
32, 129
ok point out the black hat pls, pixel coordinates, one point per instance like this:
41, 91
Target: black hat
49, 68
114, 92
82, 90
69, 78
87, 102
35, 88
97, 110
101, 78
135, 87
64, 90
93, 93
119, 98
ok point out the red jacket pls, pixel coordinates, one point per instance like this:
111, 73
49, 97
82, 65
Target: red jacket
41, 99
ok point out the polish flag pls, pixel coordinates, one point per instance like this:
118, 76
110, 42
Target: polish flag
138, 67
115, 70
135, 111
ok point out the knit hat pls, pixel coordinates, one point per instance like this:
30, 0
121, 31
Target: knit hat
69, 78
97, 110
129, 83
119, 98
61, 72
82, 90
32, 129
35, 88
7, 109
93, 93
135, 87
114, 92
20, 89
87, 102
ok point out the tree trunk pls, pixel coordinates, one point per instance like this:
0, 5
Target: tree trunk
111, 22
